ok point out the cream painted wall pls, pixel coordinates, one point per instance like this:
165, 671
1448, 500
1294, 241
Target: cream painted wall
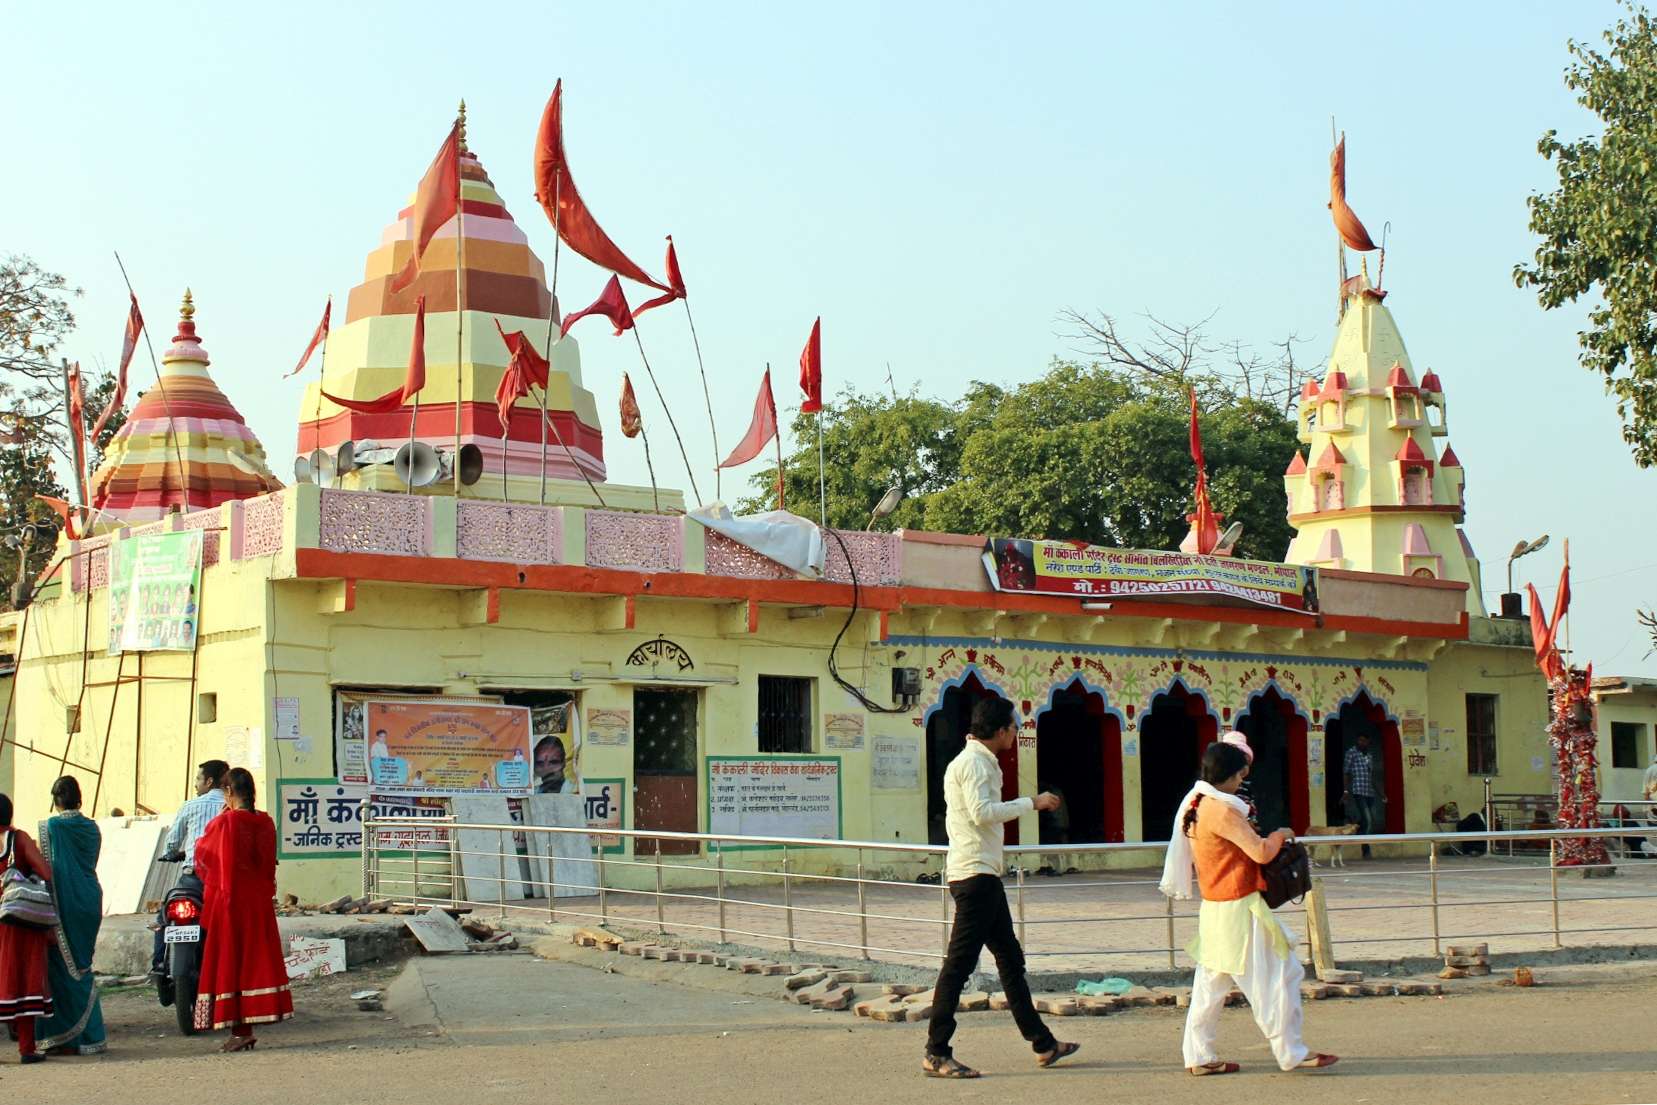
1522, 754
1639, 706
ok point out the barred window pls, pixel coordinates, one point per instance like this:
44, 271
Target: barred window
784, 714
1481, 734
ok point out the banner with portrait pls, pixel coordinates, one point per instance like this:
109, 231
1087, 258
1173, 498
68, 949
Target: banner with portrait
1096, 572
427, 748
154, 592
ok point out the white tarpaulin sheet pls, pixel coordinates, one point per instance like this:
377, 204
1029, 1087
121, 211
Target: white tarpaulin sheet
794, 542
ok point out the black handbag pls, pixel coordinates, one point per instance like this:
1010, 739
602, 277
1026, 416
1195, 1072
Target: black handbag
1288, 874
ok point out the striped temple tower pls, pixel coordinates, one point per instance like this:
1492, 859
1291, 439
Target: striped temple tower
503, 279
186, 424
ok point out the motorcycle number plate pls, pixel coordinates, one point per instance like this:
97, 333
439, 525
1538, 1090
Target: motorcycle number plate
184, 934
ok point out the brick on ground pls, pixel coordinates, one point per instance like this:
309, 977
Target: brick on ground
1475, 950
1058, 1007
973, 1001
919, 997
1102, 1004
844, 976
885, 1004
1478, 969
900, 989
1453, 972
1378, 989
998, 1000
1340, 976
917, 1011
835, 1001
1465, 961
1420, 989
822, 988
1345, 990
803, 979
1314, 991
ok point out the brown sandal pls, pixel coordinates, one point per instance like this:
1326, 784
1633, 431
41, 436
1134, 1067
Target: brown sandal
1061, 1050
1218, 1067
238, 1043
1318, 1061
934, 1066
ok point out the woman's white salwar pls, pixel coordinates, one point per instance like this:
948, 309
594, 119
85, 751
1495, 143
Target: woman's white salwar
1242, 942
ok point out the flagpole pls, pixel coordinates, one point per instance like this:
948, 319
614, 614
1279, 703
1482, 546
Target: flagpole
655, 497
718, 489
777, 434
77, 442
553, 320
172, 437
316, 420
669, 412
460, 293
822, 478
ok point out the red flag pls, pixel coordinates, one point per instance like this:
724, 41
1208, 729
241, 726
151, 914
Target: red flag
610, 303
1562, 598
129, 343
811, 369
632, 423
562, 202
412, 382
530, 364
65, 512
675, 279
760, 431
1347, 224
317, 338
435, 203
1206, 528
1542, 638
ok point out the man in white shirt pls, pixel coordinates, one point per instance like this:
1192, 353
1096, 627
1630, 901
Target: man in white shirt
973, 868
188, 825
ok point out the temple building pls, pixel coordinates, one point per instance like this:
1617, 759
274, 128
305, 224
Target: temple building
667, 657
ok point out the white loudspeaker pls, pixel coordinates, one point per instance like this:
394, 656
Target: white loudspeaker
345, 457
417, 464
322, 468
302, 469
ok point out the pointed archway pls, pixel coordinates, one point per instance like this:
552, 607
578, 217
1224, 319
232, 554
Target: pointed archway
1079, 755
1276, 731
946, 734
1172, 736
1363, 715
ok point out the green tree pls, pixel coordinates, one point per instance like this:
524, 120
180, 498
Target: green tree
1086, 452
1599, 228
26, 471
34, 319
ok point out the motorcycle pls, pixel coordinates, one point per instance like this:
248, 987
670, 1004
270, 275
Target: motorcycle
183, 937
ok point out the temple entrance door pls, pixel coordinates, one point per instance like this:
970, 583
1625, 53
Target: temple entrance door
946, 735
1363, 715
664, 768
1277, 779
1079, 755
1172, 736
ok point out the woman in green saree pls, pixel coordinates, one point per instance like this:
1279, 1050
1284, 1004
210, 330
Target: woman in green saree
70, 842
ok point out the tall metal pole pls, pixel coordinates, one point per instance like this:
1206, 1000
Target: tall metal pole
777, 435
460, 294
822, 475
172, 436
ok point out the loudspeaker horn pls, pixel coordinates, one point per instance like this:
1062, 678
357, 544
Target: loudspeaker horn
322, 468
345, 457
471, 464
302, 469
417, 464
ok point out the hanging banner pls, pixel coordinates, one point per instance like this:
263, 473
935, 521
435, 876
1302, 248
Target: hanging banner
350, 737
1093, 571
425, 748
154, 589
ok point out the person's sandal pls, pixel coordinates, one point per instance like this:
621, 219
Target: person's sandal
238, 1043
1220, 1067
946, 1067
1062, 1050
1318, 1061
32, 1057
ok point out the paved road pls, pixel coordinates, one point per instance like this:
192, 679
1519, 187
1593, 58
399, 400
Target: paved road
512, 1028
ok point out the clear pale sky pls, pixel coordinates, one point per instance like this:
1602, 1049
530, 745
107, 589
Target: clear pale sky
936, 180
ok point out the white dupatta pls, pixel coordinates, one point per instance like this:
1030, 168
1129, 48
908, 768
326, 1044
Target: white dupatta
1178, 868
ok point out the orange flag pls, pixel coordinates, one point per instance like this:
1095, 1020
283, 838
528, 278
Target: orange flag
129, 342
65, 512
1208, 530
811, 369
317, 338
675, 279
435, 203
413, 381
1347, 224
760, 431
611, 303
632, 423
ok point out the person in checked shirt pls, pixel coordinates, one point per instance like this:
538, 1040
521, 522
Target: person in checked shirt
973, 868
188, 825
1362, 800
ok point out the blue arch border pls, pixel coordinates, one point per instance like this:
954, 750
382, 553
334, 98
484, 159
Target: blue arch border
960, 681
1273, 684
1077, 677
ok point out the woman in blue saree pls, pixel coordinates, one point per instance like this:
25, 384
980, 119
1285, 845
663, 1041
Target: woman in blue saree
70, 842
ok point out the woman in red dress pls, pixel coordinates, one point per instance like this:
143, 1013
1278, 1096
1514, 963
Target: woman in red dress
24, 995
243, 979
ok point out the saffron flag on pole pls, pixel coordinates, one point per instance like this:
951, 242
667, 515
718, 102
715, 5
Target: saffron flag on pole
534, 367
1544, 632
317, 338
435, 202
760, 431
77, 424
413, 380
66, 512
675, 280
129, 343
811, 369
610, 303
1347, 224
1207, 530
632, 422
562, 202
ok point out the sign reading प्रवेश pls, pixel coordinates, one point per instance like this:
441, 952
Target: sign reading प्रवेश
1095, 572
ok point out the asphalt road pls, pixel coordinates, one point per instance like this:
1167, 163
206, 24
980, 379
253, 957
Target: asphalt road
477, 1029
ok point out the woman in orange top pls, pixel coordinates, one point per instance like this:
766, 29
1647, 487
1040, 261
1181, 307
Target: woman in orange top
1238, 938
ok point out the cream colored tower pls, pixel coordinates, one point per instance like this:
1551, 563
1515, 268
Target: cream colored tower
1373, 493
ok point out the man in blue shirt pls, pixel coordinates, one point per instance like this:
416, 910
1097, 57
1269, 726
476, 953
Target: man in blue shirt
1362, 798
188, 825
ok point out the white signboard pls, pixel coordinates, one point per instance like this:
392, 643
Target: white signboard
897, 764
795, 796
309, 956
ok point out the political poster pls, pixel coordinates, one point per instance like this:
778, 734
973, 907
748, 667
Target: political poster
350, 734
425, 748
1096, 572
155, 592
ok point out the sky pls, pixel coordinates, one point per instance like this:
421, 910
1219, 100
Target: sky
937, 181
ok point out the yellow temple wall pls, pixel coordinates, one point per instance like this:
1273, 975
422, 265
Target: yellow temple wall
1522, 755
1638, 707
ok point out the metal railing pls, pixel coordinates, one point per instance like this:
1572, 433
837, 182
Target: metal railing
886, 901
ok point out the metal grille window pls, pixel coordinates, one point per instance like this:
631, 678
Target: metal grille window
1627, 741
784, 714
1481, 734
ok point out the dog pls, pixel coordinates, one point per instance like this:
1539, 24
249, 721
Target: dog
1337, 857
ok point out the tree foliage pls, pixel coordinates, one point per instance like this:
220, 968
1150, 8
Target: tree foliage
26, 471
1084, 452
1599, 227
